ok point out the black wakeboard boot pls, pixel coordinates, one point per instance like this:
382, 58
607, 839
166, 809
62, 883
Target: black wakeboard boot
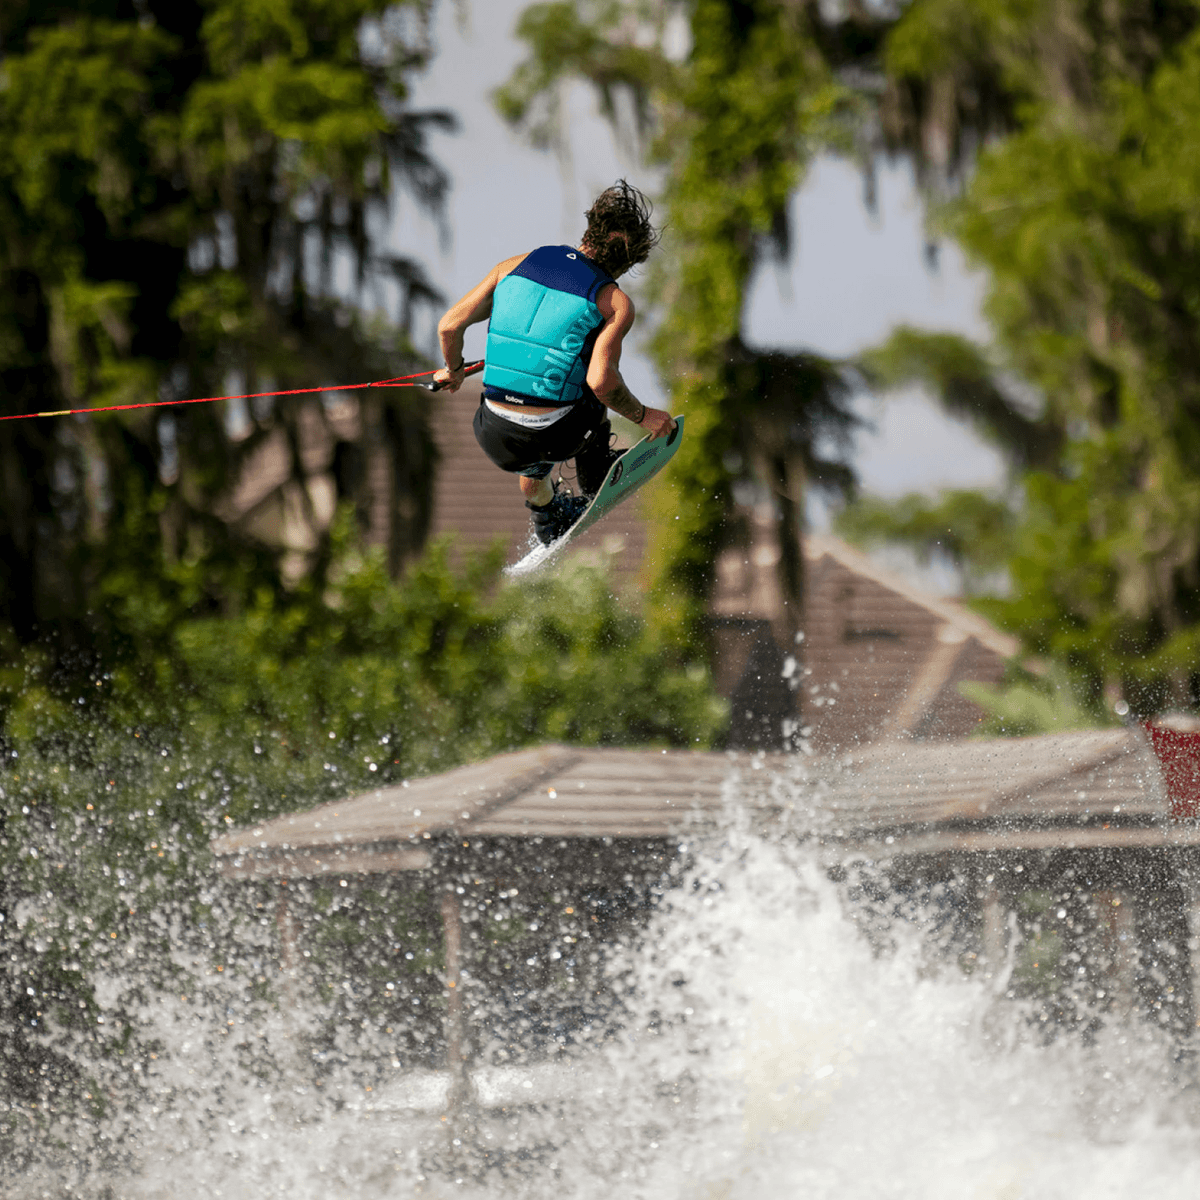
593, 461
551, 521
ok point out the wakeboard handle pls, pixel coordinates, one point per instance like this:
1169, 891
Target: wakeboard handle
473, 369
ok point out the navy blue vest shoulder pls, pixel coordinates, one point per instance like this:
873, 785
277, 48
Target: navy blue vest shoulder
544, 322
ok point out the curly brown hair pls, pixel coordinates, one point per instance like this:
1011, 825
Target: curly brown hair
619, 234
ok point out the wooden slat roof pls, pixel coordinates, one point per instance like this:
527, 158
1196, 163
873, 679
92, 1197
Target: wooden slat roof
1087, 788
1093, 788
552, 791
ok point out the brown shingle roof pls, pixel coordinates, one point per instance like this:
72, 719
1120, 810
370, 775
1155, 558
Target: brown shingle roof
818, 547
885, 660
880, 657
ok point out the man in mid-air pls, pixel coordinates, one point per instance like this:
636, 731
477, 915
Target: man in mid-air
557, 320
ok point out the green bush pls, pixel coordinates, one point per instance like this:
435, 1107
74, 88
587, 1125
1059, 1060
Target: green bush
1024, 704
307, 695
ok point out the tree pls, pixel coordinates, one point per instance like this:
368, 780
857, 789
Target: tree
1082, 210
181, 185
1056, 144
732, 123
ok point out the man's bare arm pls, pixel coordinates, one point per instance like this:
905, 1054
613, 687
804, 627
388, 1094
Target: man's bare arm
474, 307
603, 376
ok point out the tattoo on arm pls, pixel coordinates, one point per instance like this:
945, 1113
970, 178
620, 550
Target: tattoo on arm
623, 401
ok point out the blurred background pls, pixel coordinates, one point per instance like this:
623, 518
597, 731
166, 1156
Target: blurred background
927, 295
917, 290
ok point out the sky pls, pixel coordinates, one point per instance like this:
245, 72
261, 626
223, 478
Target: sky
853, 274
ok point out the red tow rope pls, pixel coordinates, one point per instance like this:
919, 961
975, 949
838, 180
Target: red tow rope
399, 381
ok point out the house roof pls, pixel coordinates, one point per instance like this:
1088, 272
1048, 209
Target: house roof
1080, 790
879, 657
946, 611
746, 584
883, 658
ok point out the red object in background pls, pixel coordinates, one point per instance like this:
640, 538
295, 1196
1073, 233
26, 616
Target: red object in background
1178, 754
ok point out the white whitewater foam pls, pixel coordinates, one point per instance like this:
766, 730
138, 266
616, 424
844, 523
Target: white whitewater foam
768, 1054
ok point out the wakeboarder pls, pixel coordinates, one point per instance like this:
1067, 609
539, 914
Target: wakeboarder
557, 320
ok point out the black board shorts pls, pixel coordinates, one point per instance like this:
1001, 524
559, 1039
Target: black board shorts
533, 452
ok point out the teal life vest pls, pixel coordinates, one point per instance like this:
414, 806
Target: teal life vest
543, 325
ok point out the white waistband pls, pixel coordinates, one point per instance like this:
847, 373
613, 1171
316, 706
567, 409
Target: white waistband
528, 420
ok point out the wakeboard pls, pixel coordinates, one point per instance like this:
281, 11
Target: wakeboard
637, 466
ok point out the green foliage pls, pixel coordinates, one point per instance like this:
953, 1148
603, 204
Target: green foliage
1026, 704
175, 184
972, 530
318, 692
1084, 218
571, 39
964, 72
